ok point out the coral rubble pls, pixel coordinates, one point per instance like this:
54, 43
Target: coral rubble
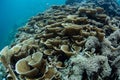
66, 43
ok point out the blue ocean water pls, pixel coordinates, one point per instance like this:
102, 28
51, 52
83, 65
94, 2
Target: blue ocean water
118, 2
15, 13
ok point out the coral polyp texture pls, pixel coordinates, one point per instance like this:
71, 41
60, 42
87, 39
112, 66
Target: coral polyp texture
66, 43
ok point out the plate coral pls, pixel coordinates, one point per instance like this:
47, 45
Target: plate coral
78, 42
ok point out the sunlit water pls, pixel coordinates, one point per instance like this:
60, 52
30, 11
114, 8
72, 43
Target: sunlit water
15, 13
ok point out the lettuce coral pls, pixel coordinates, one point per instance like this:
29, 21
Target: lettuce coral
79, 42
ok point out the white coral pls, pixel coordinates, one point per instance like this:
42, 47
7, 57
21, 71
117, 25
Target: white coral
79, 64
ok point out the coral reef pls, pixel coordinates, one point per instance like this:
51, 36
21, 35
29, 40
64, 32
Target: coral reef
111, 7
65, 43
2, 71
70, 2
93, 68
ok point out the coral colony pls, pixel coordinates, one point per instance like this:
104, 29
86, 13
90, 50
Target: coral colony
67, 42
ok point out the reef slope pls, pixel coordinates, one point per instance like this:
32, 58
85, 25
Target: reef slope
78, 42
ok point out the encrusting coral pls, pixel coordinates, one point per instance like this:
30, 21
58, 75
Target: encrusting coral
93, 68
65, 43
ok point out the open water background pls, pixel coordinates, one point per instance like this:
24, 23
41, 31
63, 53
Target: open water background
15, 13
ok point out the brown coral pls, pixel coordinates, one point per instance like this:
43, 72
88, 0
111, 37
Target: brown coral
71, 37
32, 66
